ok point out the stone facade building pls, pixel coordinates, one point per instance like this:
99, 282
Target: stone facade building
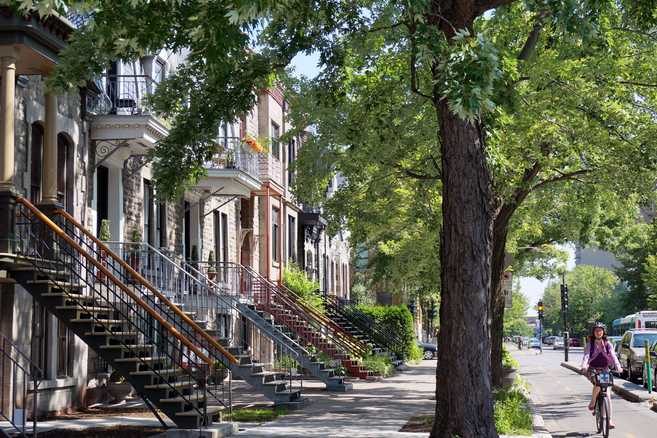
87, 151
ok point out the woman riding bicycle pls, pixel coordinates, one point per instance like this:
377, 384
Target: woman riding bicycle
599, 355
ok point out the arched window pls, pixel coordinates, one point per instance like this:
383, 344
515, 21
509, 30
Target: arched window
36, 156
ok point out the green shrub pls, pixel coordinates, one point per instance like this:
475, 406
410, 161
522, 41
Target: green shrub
507, 360
379, 364
398, 320
415, 354
295, 279
286, 362
512, 414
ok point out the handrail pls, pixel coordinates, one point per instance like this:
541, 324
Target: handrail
58, 231
323, 318
21, 354
186, 272
148, 286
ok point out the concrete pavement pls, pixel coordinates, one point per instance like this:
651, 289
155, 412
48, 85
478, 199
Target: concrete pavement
561, 397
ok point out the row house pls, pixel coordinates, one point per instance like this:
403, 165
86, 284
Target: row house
87, 152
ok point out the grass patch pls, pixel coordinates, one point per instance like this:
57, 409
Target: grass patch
252, 415
379, 364
512, 414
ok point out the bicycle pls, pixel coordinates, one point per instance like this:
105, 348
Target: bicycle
604, 380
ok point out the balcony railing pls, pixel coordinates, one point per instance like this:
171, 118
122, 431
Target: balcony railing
232, 153
121, 95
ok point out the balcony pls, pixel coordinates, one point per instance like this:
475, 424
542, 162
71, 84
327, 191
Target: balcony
120, 115
270, 169
233, 169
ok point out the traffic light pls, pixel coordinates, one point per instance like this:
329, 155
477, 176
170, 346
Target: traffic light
540, 310
564, 297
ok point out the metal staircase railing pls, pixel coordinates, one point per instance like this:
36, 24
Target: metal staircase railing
366, 324
109, 302
280, 302
208, 300
17, 372
236, 361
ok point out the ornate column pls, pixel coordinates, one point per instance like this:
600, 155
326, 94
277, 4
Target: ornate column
7, 189
49, 191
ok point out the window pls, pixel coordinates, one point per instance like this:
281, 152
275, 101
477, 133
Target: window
291, 239
275, 227
65, 172
149, 234
275, 143
159, 70
40, 335
187, 225
291, 158
161, 225
102, 203
65, 351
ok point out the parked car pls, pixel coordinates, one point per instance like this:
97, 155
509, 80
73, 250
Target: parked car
614, 339
534, 343
549, 340
617, 347
558, 343
429, 351
574, 342
632, 351
653, 365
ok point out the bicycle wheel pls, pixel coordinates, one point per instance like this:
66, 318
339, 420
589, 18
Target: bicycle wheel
605, 418
598, 414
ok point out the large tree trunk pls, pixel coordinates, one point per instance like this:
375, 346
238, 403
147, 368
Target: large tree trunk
464, 405
500, 231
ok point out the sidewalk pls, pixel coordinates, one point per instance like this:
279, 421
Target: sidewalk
373, 409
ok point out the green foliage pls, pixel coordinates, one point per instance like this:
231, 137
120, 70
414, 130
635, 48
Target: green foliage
298, 282
397, 320
509, 361
105, 235
515, 318
512, 413
253, 415
415, 353
592, 296
286, 362
379, 364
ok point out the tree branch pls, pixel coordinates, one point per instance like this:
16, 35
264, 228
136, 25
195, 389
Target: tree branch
414, 82
561, 177
532, 39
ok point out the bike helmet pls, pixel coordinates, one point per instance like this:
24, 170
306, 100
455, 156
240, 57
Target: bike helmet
599, 325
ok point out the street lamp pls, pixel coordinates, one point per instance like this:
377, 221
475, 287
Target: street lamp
564, 312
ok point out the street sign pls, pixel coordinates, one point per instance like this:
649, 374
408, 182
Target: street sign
507, 289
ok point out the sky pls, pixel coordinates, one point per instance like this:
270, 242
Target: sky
531, 287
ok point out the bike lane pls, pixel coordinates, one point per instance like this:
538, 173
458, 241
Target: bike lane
561, 397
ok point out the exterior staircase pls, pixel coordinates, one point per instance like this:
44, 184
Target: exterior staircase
305, 324
203, 299
261, 375
362, 327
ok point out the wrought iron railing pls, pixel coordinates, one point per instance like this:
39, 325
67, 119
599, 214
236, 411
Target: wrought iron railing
17, 374
58, 246
376, 332
233, 153
253, 287
122, 95
212, 301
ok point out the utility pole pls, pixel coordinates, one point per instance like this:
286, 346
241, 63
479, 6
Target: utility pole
564, 312
540, 326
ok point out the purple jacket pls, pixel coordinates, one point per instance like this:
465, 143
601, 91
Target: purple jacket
602, 356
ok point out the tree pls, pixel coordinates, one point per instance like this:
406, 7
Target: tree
593, 296
515, 318
567, 64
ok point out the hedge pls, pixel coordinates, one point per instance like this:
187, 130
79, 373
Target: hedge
396, 320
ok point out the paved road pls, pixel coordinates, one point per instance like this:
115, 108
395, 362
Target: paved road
561, 397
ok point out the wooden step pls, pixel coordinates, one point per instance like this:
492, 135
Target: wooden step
197, 396
211, 411
182, 384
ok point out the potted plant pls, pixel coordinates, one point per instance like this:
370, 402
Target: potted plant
212, 270
105, 236
118, 387
134, 256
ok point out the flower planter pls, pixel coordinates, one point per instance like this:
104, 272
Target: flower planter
120, 391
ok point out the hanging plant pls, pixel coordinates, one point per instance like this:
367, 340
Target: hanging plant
253, 143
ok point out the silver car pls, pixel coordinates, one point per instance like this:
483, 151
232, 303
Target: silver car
632, 351
558, 343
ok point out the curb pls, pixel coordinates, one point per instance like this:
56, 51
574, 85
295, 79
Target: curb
625, 393
540, 431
